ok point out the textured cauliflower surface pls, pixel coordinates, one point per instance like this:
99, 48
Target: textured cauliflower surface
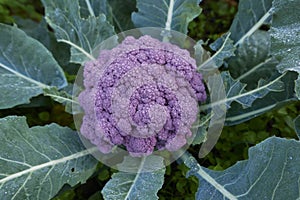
142, 95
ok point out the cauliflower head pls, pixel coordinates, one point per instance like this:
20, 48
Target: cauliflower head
142, 95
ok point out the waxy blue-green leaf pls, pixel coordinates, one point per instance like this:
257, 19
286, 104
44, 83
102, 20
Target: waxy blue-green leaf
82, 34
40, 32
273, 100
168, 14
249, 18
95, 8
285, 33
252, 60
235, 91
26, 68
251, 63
64, 97
224, 49
144, 184
271, 172
36, 162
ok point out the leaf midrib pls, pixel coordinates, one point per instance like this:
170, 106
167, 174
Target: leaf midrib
50, 163
255, 27
139, 172
223, 101
39, 84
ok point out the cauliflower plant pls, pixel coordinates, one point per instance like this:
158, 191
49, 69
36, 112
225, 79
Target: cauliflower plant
142, 96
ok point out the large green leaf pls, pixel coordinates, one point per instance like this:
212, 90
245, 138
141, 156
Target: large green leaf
26, 68
95, 8
40, 32
144, 184
285, 32
251, 63
250, 16
66, 97
237, 114
167, 14
271, 172
236, 92
122, 14
36, 162
252, 60
82, 34
225, 49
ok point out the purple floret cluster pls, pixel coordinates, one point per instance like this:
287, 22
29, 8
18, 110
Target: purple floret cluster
142, 95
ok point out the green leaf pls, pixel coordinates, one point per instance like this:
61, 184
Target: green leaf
95, 8
224, 49
141, 185
122, 14
250, 16
36, 162
251, 64
297, 126
26, 68
62, 96
82, 34
167, 14
235, 91
40, 32
201, 127
271, 172
237, 114
285, 32
252, 60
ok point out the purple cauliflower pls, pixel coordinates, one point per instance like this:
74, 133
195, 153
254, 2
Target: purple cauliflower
142, 95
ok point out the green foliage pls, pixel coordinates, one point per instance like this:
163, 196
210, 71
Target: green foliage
215, 19
82, 34
234, 142
24, 8
47, 112
26, 67
156, 14
132, 182
251, 179
31, 168
176, 185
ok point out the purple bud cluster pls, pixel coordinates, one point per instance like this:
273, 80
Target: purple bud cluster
142, 95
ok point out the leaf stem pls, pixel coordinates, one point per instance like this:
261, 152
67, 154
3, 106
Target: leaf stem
136, 177
253, 69
41, 85
223, 101
170, 15
255, 27
214, 183
48, 164
61, 97
78, 48
195, 167
212, 58
90, 8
